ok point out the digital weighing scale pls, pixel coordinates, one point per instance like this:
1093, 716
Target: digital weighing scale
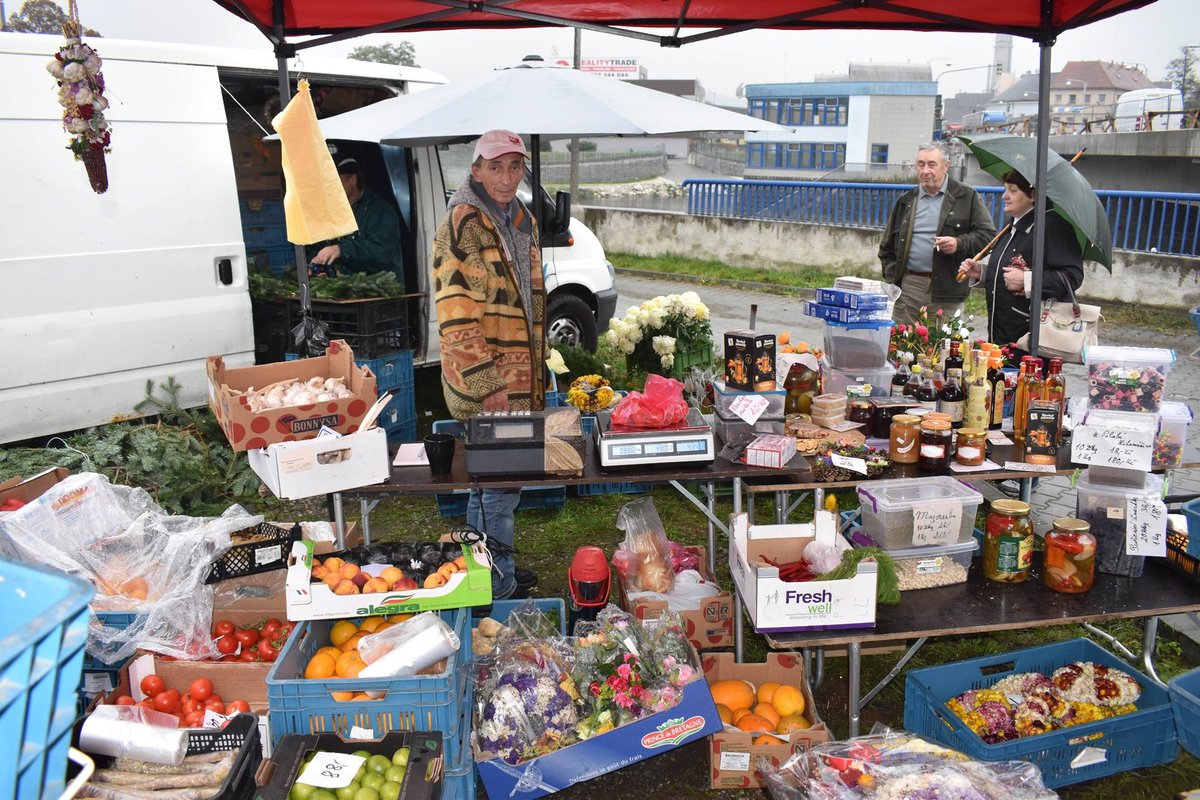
508, 443
688, 442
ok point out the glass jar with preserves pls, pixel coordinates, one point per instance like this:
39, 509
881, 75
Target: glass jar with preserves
1008, 542
934, 453
1070, 559
905, 439
861, 411
971, 448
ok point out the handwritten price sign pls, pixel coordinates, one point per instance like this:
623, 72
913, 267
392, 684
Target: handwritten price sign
1112, 447
1145, 527
937, 522
331, 770
749, 407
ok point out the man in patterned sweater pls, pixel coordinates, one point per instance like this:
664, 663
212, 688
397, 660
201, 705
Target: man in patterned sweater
491, 309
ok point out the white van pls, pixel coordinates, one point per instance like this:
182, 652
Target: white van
1142, 110
102, 294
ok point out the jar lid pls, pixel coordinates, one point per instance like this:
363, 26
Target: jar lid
1071, 525
937, 415
932, 423
972, 432
860, 403
906, 419
1012, 508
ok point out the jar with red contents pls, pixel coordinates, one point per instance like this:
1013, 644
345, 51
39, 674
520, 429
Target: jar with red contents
1069, 563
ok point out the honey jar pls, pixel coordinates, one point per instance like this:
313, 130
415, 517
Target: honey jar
971, 448
936, 439
904, 440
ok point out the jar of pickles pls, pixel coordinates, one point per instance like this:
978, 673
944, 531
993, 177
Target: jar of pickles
1070, 558
905, 439
936, 438
1008, 542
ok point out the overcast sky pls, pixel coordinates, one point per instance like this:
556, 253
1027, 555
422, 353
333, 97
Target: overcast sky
1149, 36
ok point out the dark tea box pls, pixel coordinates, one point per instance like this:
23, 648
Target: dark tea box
1042, 424
750, 360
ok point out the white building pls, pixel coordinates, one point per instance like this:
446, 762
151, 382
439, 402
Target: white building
867, 123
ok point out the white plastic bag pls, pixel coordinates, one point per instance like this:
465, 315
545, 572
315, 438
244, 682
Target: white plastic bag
689, 591
406, 649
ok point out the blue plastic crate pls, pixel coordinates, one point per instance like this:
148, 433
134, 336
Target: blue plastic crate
42, 634
264, 234
1191, 510
263, 211
1141, 739
300, 705
392, 371
398, 429
1185, 705
109, 619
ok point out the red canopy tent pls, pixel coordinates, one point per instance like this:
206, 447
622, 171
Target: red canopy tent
1039, 20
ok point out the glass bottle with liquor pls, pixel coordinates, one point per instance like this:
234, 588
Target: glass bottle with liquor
995, 376
955, 359
927, 393
1033, 388
1055, 387
978, 407
900, 379
1020, 401
914, 381
952, 399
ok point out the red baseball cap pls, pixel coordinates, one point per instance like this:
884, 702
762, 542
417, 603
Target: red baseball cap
494, 144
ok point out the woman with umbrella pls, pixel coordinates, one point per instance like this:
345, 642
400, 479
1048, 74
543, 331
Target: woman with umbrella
1007, 276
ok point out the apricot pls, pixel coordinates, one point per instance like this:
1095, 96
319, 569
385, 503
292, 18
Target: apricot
376, 585
435, 580
391, 575
333, 563
333, 579
345, 587
348, 570
461, 562
319, 572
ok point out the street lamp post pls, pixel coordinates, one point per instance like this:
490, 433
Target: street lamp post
1083, 97
938, 77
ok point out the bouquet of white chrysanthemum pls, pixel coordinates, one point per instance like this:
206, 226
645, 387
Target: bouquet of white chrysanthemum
653, 333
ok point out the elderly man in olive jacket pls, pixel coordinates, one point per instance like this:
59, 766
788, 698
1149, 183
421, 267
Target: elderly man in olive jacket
931, 230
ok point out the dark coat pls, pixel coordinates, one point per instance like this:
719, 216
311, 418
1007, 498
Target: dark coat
964, 216
1008, 314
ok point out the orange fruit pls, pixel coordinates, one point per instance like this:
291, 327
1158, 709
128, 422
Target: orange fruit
725, 713
738, 714
342, 697
349, 664
788, 700
397, 618
320, 666
733, 693
783, 337
371, 624
769, 739
352, 642
766, 690
767, 712
792, 723
361, 696
342, 630
802, 347
753, 722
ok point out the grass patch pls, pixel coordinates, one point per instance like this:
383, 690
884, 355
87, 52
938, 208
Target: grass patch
1160, 320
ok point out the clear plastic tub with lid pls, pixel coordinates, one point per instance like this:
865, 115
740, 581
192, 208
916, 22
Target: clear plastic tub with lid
1104, 508
724, 397
930, 567
1173, 421
835, 380
861, 345
1127, 378
887, 507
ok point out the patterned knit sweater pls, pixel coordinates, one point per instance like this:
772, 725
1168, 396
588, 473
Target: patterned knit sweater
490, 340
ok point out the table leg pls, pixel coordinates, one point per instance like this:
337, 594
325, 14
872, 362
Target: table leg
781, 507
1149, 635
737, 496
737, 627
365, 513
339, 521
853, 681
710, 492
1026, 488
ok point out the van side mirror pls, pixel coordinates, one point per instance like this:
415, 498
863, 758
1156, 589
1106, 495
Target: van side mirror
562, 211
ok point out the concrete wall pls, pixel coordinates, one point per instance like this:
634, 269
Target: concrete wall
1156, 280
608, 171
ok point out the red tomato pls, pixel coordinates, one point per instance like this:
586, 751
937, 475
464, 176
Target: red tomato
174, 695
269, 649
285, 629
247, 637
152, 685
227, 645
191, 704
194, 720
249, 655
163, 701
126, 700
229, 658
200, 690
223, 627
273, 622
240, 705
269, 627
217, 707
213, 698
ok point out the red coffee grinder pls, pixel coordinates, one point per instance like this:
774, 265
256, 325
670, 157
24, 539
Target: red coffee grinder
589, 581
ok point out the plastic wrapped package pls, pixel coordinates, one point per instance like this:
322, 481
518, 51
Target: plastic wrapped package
660, 404
405, 649
644, 559
889, 765
140, 558
689, 591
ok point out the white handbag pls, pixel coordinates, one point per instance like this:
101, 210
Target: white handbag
1065, 329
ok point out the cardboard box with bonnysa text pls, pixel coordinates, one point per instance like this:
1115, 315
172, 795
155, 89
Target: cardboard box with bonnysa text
228, 397
295, 470
777, 606
733, 757
708, 627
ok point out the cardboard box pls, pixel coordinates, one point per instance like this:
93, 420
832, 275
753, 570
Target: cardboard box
295, 470
750, 360
708, 627
249, 430
308, 600
30, 489
733, 755
652, 735
771, 450
775, 605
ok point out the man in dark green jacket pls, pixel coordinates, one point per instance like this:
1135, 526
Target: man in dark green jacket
375, 246
931, 230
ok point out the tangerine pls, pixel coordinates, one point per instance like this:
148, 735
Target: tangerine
768, 712
766, 690
333, 652
321, 665
352, 642
783, 337
342, 630
371, 624
788, 700
342, 697
349, 664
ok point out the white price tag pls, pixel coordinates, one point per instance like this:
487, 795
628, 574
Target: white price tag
749, 407
1112, 447
96, 682
735, 762
1021, 466
998, 437
1146, 527
986, 466
845, 462
842, 427
936, 522
213, 720
268, 555
361, 733
331, 770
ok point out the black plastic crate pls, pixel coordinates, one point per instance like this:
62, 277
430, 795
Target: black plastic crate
272, 334
269, 550
372, 327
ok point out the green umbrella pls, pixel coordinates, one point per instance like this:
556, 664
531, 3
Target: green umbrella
1073, 197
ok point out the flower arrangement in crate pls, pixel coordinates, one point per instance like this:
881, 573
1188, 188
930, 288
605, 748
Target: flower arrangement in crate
929, 337
662, 331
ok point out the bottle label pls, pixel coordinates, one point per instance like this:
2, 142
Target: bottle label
1008, 553
933, 451
954, 408
998, 404
969, 452
929, 404
897, 390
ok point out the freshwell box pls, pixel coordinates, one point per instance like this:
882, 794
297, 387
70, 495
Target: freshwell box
849, 298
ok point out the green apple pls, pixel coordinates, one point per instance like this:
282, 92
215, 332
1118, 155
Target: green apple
378, 764
347, 792
389, 791
366, 794
322, 794
400, 757
373, 781
301, 791
361, 754
362, 773
395, 774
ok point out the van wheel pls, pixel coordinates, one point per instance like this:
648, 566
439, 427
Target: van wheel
571, 323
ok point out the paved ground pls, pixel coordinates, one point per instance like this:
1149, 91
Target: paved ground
1053, 497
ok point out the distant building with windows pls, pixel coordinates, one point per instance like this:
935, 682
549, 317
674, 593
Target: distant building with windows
866, 123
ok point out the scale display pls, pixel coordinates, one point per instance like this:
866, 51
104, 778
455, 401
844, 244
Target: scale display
689, 442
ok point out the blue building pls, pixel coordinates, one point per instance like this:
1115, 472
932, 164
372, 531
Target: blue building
866, 123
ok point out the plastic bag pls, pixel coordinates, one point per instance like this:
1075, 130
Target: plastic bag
686, 595
140, 558
405, 649
644, 560
660, 404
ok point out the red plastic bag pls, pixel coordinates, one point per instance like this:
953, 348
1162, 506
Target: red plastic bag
659, 405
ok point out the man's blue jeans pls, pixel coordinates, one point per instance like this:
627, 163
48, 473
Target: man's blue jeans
491, 511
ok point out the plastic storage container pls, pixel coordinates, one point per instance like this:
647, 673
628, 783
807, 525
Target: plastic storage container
887, 507
835, 380
1120, 420
1184, 691
861, 345
1173, 421
929, 567
729, 429
1103, 507
723, 398
1127, 378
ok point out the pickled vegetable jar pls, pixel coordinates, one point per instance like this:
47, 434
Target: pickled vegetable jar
1008, 542
1070, 559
